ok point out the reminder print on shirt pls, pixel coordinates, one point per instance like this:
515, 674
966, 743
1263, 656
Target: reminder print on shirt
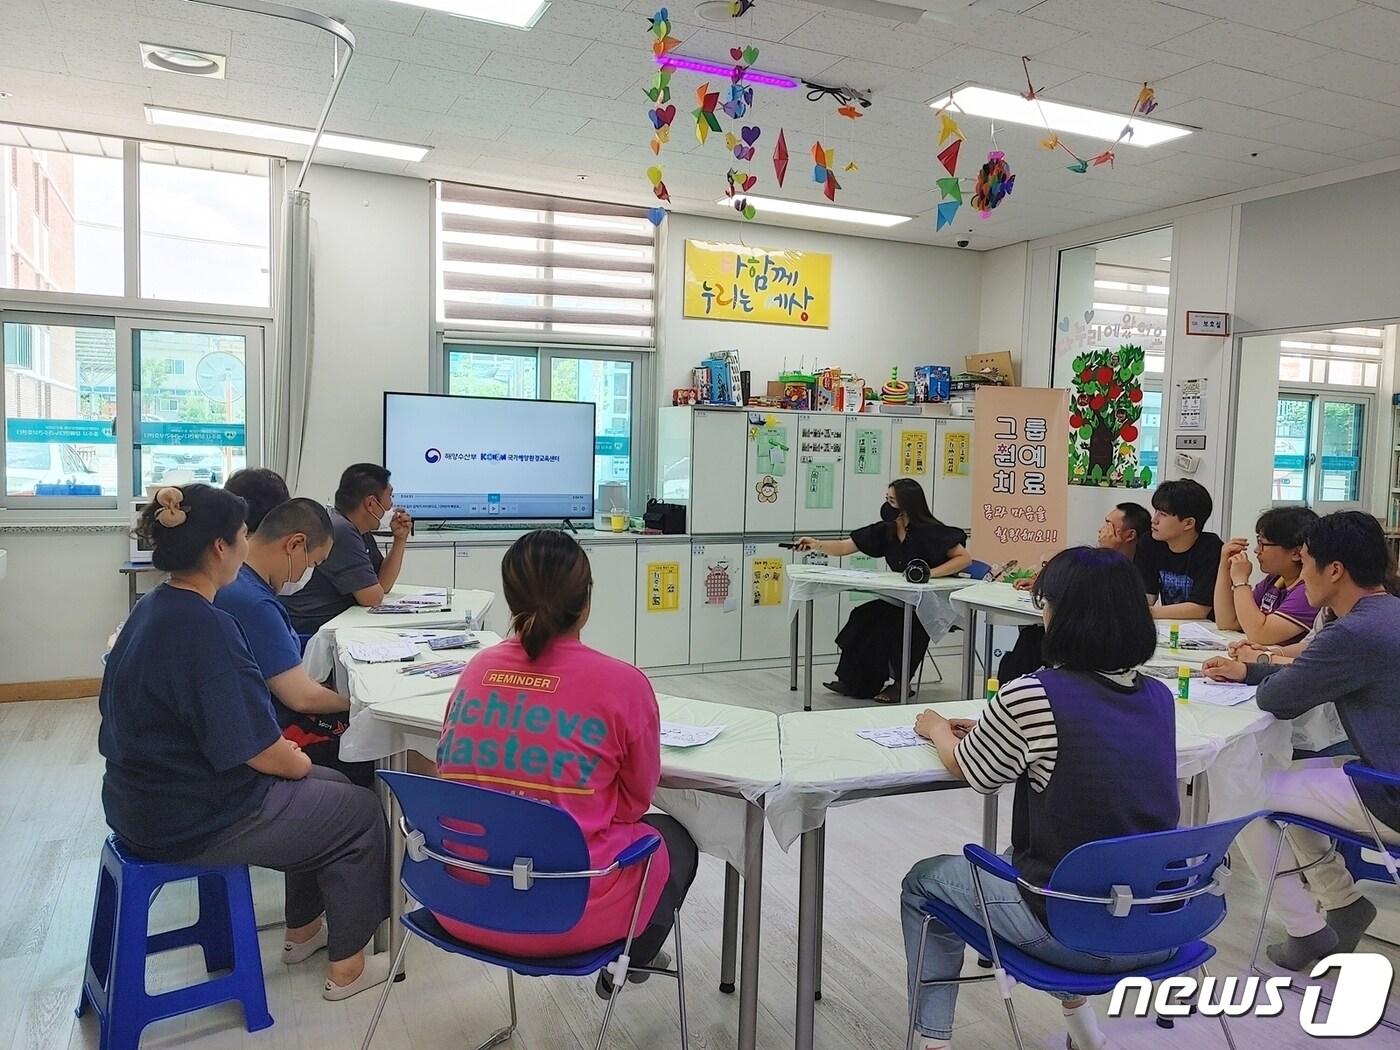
510, 739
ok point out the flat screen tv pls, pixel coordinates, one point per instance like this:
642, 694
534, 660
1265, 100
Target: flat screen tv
489, 459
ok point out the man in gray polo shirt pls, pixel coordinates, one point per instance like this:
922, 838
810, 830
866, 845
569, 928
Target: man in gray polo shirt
356, 572
1351, 662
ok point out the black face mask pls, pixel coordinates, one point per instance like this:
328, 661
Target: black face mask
888, 512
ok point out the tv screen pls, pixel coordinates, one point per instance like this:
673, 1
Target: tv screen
489, 459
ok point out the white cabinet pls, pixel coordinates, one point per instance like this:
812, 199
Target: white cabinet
479, 568
766, 632
868, 470
716, 601
952, 488
663, 604
426, 566
700, 455
612, 622
771, 473
821, 449
825, 610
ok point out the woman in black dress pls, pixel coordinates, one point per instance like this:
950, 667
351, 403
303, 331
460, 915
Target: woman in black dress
870, 641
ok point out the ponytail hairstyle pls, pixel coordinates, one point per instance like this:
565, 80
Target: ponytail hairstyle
547, 583
181, 524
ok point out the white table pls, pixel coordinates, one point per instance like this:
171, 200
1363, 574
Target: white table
468, 609
735, 771
929, 601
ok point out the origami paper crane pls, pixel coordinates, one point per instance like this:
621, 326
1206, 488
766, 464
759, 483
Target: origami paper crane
1106, 157
780, 157
1146, 101
946, 211
851, 166
1051, 141
951, 188
1079, 167
849, 112
948, 128
739, 101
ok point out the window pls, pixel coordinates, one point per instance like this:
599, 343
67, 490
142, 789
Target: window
205, 226
1319, 450
1338, 357
60, 411
62, 223
196, 431
607, 379
541, 269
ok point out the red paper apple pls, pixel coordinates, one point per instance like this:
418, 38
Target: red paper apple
1129, 433
1105, 375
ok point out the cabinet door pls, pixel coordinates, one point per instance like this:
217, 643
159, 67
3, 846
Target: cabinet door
821, 471
952, 488
825, 610
716, 504
771, 473
663, 604
766, 626
612, 621
869, 470
715, 601
479, 568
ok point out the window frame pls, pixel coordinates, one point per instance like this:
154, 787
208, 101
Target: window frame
91, 510
643, 440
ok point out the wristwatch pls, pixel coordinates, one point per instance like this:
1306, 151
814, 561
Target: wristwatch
1264, 658
1233, 586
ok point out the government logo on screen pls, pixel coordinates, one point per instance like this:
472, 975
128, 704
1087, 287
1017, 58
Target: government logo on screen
432, 455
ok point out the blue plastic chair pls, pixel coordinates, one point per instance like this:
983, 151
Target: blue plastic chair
114, 981
1122, 896
1349, 843
511, 865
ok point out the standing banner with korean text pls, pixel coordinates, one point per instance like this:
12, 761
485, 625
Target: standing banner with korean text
1020, 478
733, 282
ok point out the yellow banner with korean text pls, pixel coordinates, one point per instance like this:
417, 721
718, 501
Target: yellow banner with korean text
733, 282
1020, 476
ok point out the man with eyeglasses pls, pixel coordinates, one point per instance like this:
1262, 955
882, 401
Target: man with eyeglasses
356, 572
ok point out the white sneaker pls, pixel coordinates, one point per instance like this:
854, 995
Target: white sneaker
375, 973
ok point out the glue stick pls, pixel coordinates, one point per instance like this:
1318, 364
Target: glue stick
992, 686
1183, 683
1174, 637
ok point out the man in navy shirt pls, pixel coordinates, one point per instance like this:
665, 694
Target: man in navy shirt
355, 572
292, 539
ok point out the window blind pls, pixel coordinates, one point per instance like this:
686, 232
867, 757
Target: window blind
521, 265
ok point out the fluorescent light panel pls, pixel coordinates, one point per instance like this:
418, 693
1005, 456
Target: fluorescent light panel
183, 118
1057, 116
779, 206
518, 14
719, 69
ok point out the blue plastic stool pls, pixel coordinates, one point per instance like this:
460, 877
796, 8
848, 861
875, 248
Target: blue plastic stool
114, 982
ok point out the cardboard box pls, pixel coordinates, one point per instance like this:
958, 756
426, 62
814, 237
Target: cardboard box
999, 360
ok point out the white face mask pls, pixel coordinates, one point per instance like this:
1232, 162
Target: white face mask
292, 586
385, 518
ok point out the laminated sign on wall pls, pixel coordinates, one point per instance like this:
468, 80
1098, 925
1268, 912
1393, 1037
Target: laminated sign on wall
820, 451
663, 586
957, 454
767, 581
913, 452
869, 452
733, 282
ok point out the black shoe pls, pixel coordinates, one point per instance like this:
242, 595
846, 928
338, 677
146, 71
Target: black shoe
836, 686
604, 985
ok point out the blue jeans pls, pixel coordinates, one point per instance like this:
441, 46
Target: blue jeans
949, 879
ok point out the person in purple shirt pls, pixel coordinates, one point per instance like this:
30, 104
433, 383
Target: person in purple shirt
1276, 610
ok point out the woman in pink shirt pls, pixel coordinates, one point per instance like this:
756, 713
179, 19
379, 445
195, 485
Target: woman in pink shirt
544, 716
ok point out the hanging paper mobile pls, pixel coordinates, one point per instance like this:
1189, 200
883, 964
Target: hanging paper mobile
946, 211
994, 183
948, 128
704, 113
660, 90
742, 145
851, 166
739, 8
739, 101
739, 182
656, 215
1106, 157
660, 24
658, 187
822, 174
948, 156
780, 157
1146, 101
849, 112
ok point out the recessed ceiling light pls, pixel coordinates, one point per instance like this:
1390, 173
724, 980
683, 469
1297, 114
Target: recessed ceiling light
726, 70
518, 14
257, 129
184, 60
780, 206
1057, 116
714, 10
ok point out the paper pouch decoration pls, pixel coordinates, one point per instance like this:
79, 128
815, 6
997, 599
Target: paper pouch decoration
733, 282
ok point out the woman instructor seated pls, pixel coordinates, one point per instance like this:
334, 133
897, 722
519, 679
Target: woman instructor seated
870, 642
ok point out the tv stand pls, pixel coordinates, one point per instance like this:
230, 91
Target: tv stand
570, 526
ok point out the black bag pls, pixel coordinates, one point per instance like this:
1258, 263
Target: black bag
667, 518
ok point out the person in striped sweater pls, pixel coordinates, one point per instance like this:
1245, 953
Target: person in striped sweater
1090, 745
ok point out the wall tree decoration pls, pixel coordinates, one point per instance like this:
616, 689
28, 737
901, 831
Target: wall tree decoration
1104, 409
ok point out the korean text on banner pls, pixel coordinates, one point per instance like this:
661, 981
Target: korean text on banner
1020, 476
733, 282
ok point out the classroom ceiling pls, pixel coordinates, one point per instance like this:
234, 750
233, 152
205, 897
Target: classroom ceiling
1280, 89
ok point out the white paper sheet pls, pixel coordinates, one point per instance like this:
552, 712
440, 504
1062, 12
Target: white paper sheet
1220, 694
384, 652
677, 734
893, 736
417, 637
1192, 635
